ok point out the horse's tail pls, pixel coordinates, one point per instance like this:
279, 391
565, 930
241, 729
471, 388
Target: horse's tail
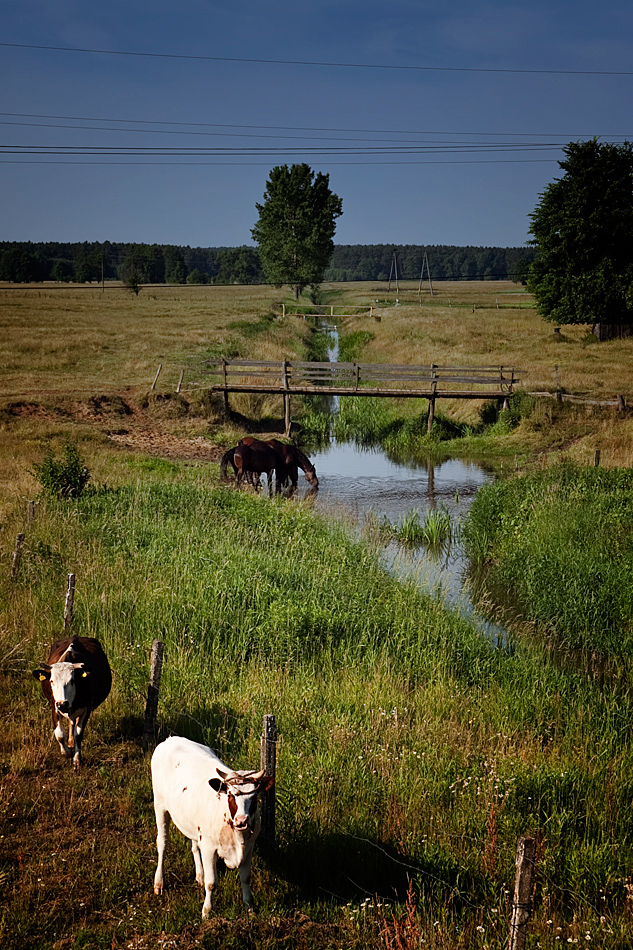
227, 459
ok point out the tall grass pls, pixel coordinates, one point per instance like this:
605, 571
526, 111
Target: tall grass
560, 541
410, 746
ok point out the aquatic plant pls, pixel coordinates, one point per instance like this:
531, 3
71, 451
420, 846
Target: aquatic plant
435, 530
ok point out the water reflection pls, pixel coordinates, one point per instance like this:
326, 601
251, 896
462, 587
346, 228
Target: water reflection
366, 486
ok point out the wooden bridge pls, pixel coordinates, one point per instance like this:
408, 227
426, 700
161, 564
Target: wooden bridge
388, 380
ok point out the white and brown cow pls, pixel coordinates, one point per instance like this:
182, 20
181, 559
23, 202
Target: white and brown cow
75, 680
214, 806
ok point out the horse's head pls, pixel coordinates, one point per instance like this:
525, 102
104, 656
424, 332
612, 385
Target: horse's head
311, 477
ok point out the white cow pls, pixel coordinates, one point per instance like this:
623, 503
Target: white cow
214, 806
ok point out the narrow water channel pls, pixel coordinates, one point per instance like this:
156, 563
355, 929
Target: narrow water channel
365, 485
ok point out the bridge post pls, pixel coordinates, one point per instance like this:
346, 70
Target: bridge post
431, 416
287, 422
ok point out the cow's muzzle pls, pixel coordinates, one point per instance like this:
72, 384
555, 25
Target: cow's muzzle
63, 707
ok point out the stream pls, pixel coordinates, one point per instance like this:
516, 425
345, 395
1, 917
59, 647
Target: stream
362, 484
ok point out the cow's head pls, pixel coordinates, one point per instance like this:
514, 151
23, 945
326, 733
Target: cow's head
242, 789
63, 678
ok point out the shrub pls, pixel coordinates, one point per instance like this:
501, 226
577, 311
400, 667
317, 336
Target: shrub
64, 478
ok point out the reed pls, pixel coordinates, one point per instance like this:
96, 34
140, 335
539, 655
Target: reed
435, 530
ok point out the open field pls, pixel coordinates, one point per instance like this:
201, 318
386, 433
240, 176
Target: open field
412, 750
82, 340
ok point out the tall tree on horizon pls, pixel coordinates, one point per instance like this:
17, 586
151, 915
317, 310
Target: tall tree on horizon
296, 226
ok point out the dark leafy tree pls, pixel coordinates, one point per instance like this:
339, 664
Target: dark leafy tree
239, 265
19, 265
175, 267
296, 226
196, 277
583, 232
60, 271
134, 269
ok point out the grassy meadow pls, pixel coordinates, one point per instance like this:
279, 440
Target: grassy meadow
413, 752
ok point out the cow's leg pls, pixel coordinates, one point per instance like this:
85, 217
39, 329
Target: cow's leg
197, 860
209, 856
78, 727
60, 735
245, 880
162, 824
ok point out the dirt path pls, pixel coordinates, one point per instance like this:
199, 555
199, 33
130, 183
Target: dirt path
163, 445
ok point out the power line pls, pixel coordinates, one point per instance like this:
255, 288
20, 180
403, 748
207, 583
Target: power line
492, 161
308, 128
297, 62
258, 135
196, 151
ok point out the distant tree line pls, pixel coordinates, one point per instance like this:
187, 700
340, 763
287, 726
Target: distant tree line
446, 262
23, 262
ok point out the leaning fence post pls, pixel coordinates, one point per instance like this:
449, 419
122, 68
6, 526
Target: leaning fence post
151, 706
522, 904
268, 762
17, 555
160, 366
70, 601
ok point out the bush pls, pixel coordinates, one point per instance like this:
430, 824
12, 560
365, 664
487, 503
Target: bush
64, 478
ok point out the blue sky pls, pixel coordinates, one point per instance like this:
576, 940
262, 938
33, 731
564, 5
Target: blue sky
518, 79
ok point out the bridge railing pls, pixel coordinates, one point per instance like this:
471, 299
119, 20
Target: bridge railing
367, 378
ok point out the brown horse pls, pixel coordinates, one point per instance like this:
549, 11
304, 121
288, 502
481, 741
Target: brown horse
293, 459
226, 460
259, 457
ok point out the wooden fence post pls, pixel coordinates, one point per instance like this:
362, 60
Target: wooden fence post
151, 706
596, 458
17, 555
70, 601
160, 366
226, 392
30, 511
268, 762
182, 373
522, 903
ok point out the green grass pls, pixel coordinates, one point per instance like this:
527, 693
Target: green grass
410, 746
561, 542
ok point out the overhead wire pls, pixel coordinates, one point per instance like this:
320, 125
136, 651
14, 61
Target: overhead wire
308, 128
322, 63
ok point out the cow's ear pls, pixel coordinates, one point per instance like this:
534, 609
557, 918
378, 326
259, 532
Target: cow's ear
265, 784
41, 675
217, 784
